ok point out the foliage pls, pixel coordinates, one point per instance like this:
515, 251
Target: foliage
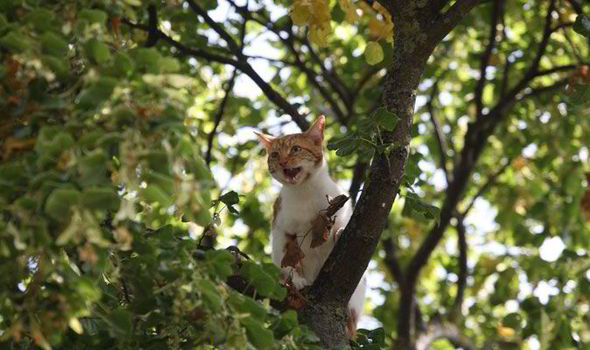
106, 187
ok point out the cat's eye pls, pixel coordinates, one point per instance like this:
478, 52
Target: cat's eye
274, 154
295, 149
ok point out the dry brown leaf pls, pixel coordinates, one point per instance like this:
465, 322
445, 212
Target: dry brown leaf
293, 253
320, 229
324, 221
295, 299
17, 144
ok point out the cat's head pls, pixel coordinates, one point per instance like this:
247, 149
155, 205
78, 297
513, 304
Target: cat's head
293, 159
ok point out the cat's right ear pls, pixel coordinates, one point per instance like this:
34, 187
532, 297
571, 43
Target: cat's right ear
265, 139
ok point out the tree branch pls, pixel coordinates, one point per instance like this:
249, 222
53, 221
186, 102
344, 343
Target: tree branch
440, 137
489, 183
218, 28
455, 311
439, 329
392, 263
475, 141
497, 10
443, 25
300, 64
241, 64
219, 116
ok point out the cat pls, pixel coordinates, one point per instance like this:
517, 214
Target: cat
297, 161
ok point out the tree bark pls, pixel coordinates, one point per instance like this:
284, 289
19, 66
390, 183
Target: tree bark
327, 298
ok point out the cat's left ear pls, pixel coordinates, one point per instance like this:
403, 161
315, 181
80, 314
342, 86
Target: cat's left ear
316, 131
265, 139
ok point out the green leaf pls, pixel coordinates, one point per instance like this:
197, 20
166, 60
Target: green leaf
60, 201
98, 51
103, 198
285, 323
165, 182
415, 208
582, 25
54, 45
373, 53
247, 305
153, 193
221, 262
169, 65
15, 41
41, 19
123, 64
93, 16
58, 65
230, 198
121, 321
88, 289
385, 119
210, 294
148, 59
258, 335
97, 93
262, 281
347, 148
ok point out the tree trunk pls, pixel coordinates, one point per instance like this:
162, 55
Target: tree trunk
325, 310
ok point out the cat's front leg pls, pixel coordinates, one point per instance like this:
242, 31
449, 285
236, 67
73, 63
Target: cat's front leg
288, 260
298, 281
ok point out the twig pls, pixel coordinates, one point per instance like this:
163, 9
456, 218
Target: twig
440, 137
392, 262
491, 180
463, 271
219, 116
497, 10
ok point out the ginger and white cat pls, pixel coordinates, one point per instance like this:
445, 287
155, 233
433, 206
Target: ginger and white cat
297, 161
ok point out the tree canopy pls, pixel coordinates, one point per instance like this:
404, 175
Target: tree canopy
135, 202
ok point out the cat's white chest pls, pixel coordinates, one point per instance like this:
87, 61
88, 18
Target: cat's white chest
295, 216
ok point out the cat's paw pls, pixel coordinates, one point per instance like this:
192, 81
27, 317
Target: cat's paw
299, 282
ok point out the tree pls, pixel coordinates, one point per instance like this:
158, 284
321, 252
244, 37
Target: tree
119, 127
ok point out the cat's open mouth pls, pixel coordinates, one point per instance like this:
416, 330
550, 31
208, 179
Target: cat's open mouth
290, 173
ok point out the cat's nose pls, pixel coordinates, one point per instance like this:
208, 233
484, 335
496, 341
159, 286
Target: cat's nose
283, 164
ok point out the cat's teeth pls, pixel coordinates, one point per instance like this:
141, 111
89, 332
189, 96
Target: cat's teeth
291, 172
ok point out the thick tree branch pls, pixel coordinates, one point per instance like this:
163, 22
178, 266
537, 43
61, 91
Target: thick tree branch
475, 140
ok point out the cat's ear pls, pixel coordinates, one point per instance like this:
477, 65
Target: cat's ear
265, 139
316, 130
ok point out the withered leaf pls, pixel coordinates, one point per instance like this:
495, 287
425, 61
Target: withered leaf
322, 224
320, 229
293, 253
295, 299
335, 204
